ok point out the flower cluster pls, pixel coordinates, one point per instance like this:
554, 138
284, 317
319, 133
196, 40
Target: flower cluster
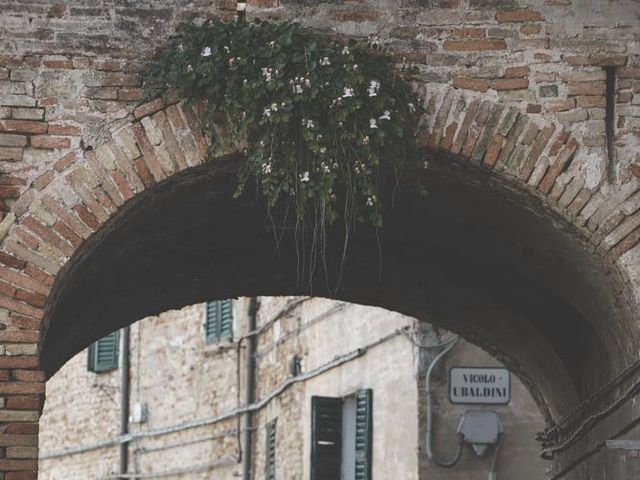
298, 84
319, 119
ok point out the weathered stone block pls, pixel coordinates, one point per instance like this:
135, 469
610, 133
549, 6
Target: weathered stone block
546, 91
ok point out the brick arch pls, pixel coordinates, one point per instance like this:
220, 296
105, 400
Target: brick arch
55, 217
535, 155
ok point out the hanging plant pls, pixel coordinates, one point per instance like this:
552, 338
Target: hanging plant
317, 118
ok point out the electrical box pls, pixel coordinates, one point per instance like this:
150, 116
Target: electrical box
480, 428
139, 413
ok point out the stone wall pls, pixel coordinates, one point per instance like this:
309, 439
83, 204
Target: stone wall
180, 379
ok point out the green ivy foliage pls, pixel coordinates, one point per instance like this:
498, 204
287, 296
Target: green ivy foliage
318, 117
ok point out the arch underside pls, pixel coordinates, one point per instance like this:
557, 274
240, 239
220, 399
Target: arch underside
476, 256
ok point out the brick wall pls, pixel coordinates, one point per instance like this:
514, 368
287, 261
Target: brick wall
516, 87
70, 77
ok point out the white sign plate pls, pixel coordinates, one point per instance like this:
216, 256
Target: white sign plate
479, 385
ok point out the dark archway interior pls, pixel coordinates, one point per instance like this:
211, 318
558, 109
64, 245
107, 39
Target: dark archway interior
476, 256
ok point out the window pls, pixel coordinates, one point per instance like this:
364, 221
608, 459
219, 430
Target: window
103, 354
341, 437
218, 324
270, 460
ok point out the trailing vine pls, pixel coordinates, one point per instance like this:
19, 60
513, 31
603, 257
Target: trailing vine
317, 117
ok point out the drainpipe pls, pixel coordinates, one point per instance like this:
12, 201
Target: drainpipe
249, 388
124, 400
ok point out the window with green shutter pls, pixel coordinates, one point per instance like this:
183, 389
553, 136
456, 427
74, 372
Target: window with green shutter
218, 324
326, 438
342, 436
270, 460
103, 354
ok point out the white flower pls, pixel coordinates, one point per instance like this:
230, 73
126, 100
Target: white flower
425, 165
206, 52
304, 177
297, 89
371, 200
266, 168
325, 61
348, 92
325, 167
323, 150
345, 50
267, 112
272, 43
374, 40
310, 124
373, 123
274, 107
412, 107
231, 61
266, 73
244, 82
226, 49
261, 143
365, 140
189, 68
385, 116
355, 67
374, 86
307, 82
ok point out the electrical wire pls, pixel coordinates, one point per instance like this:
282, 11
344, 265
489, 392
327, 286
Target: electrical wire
441, 463
224, 462
407, 334
336, 362
606, 388
584, 427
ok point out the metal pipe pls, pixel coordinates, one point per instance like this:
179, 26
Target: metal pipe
249, 389
430, 454
494, 464
125, 341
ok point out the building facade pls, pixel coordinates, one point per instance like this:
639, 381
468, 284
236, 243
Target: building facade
335, 391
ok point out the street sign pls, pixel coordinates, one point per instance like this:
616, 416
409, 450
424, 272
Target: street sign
479, 385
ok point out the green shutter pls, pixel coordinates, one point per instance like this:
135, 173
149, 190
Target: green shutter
270, 460
226, 319
103, 354
218, 323
326, 438
364, 433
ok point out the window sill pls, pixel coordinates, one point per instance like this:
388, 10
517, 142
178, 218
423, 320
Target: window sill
213, 349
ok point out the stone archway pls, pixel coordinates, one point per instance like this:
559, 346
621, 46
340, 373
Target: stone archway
84, 232
535, 244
